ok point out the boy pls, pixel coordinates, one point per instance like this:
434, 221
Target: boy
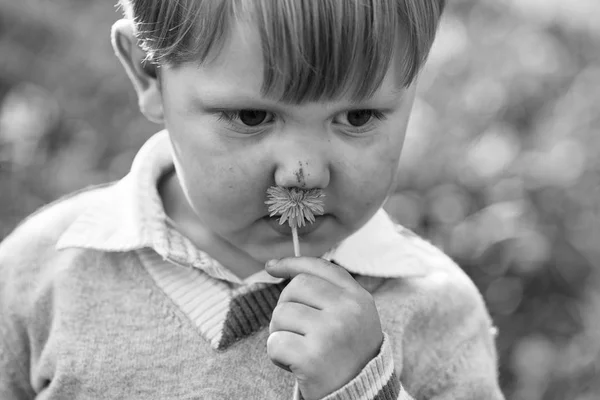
156, 286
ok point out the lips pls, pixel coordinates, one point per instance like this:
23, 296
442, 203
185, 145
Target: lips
285, 230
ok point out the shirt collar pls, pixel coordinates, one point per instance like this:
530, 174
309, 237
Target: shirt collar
130, 216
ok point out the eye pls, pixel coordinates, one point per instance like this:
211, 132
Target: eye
252, 117
246, 121
359, 118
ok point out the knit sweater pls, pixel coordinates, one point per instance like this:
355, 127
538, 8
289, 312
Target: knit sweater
102, 297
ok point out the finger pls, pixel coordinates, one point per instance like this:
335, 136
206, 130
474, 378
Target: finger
310, 290
293, 317
285, 349
288, 268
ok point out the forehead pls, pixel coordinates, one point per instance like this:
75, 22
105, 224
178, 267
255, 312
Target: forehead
240, 61
238, 68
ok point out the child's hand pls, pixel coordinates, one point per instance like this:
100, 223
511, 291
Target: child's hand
325, 328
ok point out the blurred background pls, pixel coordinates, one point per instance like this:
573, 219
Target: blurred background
500, 169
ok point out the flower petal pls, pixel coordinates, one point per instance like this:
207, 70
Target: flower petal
296, 206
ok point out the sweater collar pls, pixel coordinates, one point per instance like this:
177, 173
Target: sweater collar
129, 216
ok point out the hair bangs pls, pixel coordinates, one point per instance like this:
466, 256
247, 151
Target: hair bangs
313, 50
179, 31
324, 49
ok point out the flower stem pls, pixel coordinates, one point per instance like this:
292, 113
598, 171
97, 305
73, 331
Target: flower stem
296, 242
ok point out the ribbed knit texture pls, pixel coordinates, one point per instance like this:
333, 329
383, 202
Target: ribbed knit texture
376, 381
223, 314
202, 298
249, 312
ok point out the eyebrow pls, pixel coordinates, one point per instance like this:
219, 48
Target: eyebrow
210, 102
226, 100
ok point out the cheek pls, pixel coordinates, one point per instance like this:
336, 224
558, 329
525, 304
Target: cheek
374, 177
219, 187
382, 162
214, 180
203, 159
377, 183
388, 156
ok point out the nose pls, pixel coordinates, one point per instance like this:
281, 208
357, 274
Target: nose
303, 164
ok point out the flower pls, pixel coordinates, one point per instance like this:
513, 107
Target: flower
296, 206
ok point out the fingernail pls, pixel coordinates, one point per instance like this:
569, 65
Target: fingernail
271, 263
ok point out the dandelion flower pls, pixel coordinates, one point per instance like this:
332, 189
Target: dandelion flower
295, 206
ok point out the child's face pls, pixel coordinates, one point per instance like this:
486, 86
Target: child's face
231, 144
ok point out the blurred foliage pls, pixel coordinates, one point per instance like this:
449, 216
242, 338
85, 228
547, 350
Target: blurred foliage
500, 168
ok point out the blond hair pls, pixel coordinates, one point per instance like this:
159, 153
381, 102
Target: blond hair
312, 49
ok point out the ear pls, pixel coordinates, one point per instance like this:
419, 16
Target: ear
142, 74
